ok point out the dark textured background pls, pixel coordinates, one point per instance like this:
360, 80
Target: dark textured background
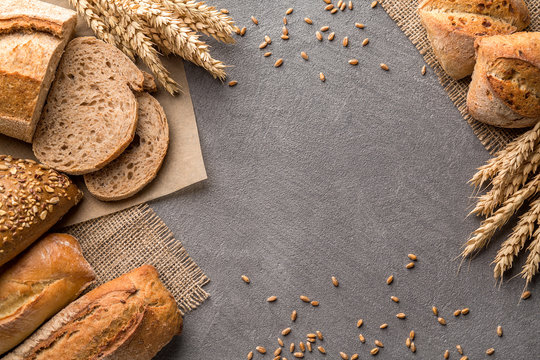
309, 180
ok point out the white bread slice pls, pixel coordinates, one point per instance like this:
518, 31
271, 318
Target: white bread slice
33, 35
141, 161
91, 112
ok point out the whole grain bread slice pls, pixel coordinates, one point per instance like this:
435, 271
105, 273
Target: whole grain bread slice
141, 161
91, 112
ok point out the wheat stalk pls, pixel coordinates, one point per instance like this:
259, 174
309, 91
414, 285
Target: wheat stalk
481, 236
533, 260
513, 245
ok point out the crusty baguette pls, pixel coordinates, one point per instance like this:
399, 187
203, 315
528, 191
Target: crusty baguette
33, 35
39, 283
33, 198
453, 25
140, 162
91, 112
505, 87
129, 318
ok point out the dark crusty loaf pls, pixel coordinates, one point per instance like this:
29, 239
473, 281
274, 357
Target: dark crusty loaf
33, 198
453, 25
140, 162
39, 283
505, 87
129, 318
91, 111
33, 35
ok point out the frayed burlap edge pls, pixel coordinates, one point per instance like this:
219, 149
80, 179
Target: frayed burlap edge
117, 243
403, 12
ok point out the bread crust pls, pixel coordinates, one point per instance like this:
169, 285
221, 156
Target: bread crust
139, 313
33, 198
38, 284
488, 97
452, 27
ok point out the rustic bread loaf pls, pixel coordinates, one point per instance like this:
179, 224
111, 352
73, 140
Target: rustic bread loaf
33, 198
33, 35
131, 318
39, 283
505, 87
453, 25
140, 162
91, 111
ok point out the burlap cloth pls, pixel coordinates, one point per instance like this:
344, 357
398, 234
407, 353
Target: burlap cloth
118, 243
403, 12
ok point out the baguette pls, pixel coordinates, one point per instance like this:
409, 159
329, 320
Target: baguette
129, 318
33, 35
33, 198
453, 25
505, 86
38, 284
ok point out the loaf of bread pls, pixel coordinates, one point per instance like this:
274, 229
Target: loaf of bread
505, 87
33, 35
140, 162
129, 318
91, 112
453, 25
37, 284
33, 198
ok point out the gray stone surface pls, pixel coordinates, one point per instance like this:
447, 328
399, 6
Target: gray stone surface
309, 180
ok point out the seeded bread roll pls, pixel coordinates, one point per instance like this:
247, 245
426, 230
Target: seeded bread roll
33, 35
505, 87
129, 318
39, 283
453, 25
91, 111
140, 162
33, 198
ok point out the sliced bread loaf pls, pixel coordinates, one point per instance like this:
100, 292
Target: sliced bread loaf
140, 163
33, 35
91, 112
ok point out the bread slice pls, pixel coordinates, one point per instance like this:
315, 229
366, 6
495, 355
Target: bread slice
453, 25
141, 161
33, 36
91, 111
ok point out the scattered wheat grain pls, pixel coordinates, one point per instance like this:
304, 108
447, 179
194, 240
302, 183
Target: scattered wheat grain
490, 351
319, 335
304, 298
321, 349
267, 54
379, 343
390, 279
278, 63
394, 299
308, 21
411, 264
261, 349
383, 326
322, 77
231, 84
441, 321
374, 351
244, 277
360, 25
255, 21
289, 11
374, 3
286, 331
359, 323
331, 36
345, 41
343, 355
362, 338
272, 298
499, 331
401, 316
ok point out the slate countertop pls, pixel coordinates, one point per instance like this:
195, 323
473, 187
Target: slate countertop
309, 180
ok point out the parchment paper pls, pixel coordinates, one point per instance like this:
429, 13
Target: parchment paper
183, 165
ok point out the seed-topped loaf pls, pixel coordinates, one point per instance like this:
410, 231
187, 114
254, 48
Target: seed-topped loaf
33, 198
39, 283
453, 25
91, 112
129, 318
140, 162
505, 86
33, 35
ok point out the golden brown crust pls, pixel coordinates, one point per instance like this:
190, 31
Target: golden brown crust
131, 318
33, 198
504, 86
452, 27
38, 284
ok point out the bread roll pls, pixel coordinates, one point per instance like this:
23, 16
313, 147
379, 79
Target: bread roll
38, 284
129, 318
33, 35
32, 199
453, 25
505, 87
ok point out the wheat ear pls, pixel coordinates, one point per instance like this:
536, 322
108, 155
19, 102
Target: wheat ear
138, 39
481, 236
533, 260
203, 18
520, 234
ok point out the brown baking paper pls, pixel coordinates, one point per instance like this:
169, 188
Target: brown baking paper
183, 165
403, 12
